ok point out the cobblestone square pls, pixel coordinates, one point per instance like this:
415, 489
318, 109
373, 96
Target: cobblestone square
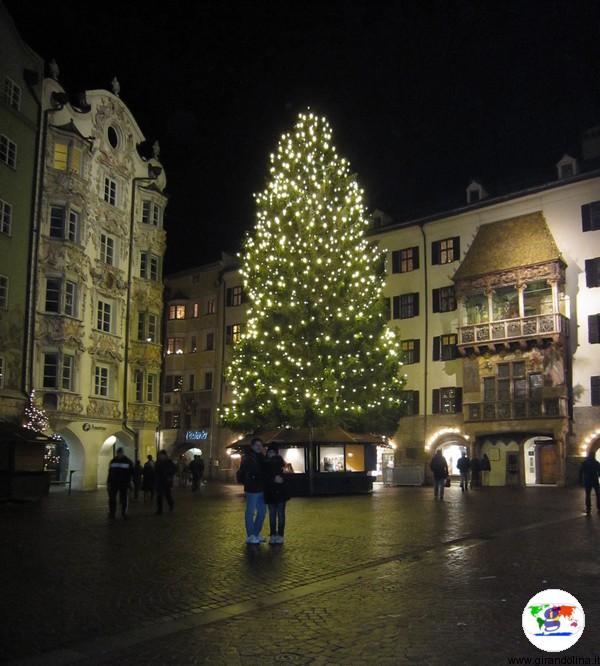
391, 578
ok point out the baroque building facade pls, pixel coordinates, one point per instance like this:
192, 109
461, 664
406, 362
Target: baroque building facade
97, 283
21, 75
497, 304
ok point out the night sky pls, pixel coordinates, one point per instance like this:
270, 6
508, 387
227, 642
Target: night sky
422, 96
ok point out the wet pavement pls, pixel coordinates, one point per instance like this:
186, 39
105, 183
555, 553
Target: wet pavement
391, 578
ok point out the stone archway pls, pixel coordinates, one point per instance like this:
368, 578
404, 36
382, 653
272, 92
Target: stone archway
77, 457
452, 444
107, 451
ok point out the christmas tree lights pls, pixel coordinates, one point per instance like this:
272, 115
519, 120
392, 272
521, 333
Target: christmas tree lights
317, 349
35, 418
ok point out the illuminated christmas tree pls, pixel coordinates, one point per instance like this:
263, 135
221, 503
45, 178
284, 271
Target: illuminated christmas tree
317, 349
35, 418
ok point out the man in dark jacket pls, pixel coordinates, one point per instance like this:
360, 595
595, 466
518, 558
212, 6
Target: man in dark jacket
196, 470
464, 464
164, 471
120, 473
252, 475
588, 476
439, 467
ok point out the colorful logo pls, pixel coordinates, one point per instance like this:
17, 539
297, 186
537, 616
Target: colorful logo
553, 620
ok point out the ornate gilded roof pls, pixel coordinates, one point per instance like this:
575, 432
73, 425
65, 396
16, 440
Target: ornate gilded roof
508, 244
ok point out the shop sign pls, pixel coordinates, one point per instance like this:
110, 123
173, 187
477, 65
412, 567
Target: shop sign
196, 435
86, 427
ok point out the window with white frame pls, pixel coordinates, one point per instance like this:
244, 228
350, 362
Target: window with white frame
8, 151
147, 327
3, 292
107, 249
64, 223
138, 380
104, 316
149, 266
151, 213
67, 157
58, 371
102, 381
211, 305
110, 191
61, 296
12, 93
68, 364
6, 211
50, 377
2, 372
151, 383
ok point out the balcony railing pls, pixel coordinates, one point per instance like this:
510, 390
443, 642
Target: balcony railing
536, 326
517, 409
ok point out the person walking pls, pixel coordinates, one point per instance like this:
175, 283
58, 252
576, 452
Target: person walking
137, 479
464, 465
486, 468
149, 479
165, 471
475, 472
196, 470
120, 473
252, 475
588, 477
439, 467
275, 494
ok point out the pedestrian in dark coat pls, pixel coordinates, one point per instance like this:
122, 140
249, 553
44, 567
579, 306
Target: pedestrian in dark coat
275, 494
165, 472
475, 472
588, 477
120, 473
252, 475
137, 478
196, 470
149, 479
439, 467
464, 464
486, 468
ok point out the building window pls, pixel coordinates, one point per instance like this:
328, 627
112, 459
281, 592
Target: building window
444, 347
141, 326
192, 382
12, 93
6, 211
211, 306
406, 260
149, 268
209, 342
110, 191
595, 390
175, 345
61, 297
3, 292
152, 328
411, 351
411, 403
176, 311
195, 310
445, 251
53, 289
8, 151
193, 344
447, 400
64, 224
204, 418
592, 272
151, 213
208, 381
151, 388
101, 375
444, 299
50, 378
104, 316
138, 379
406, 306
2, 372
66, 157
174, 383
233, 334
594, 329
70, 298
58, 371
235, 296
590, 216
331, 459
107, 249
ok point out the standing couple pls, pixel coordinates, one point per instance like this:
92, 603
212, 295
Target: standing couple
264, 484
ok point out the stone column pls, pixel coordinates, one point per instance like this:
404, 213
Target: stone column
521, 292
555, 302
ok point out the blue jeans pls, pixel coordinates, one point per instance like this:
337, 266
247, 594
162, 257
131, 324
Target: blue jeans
439, 486
277, 518
255, 504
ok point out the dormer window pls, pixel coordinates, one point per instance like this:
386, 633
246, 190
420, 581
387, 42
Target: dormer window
475, 192
567, 167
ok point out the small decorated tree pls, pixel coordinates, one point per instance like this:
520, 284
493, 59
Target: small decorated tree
34, 417
317, 349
